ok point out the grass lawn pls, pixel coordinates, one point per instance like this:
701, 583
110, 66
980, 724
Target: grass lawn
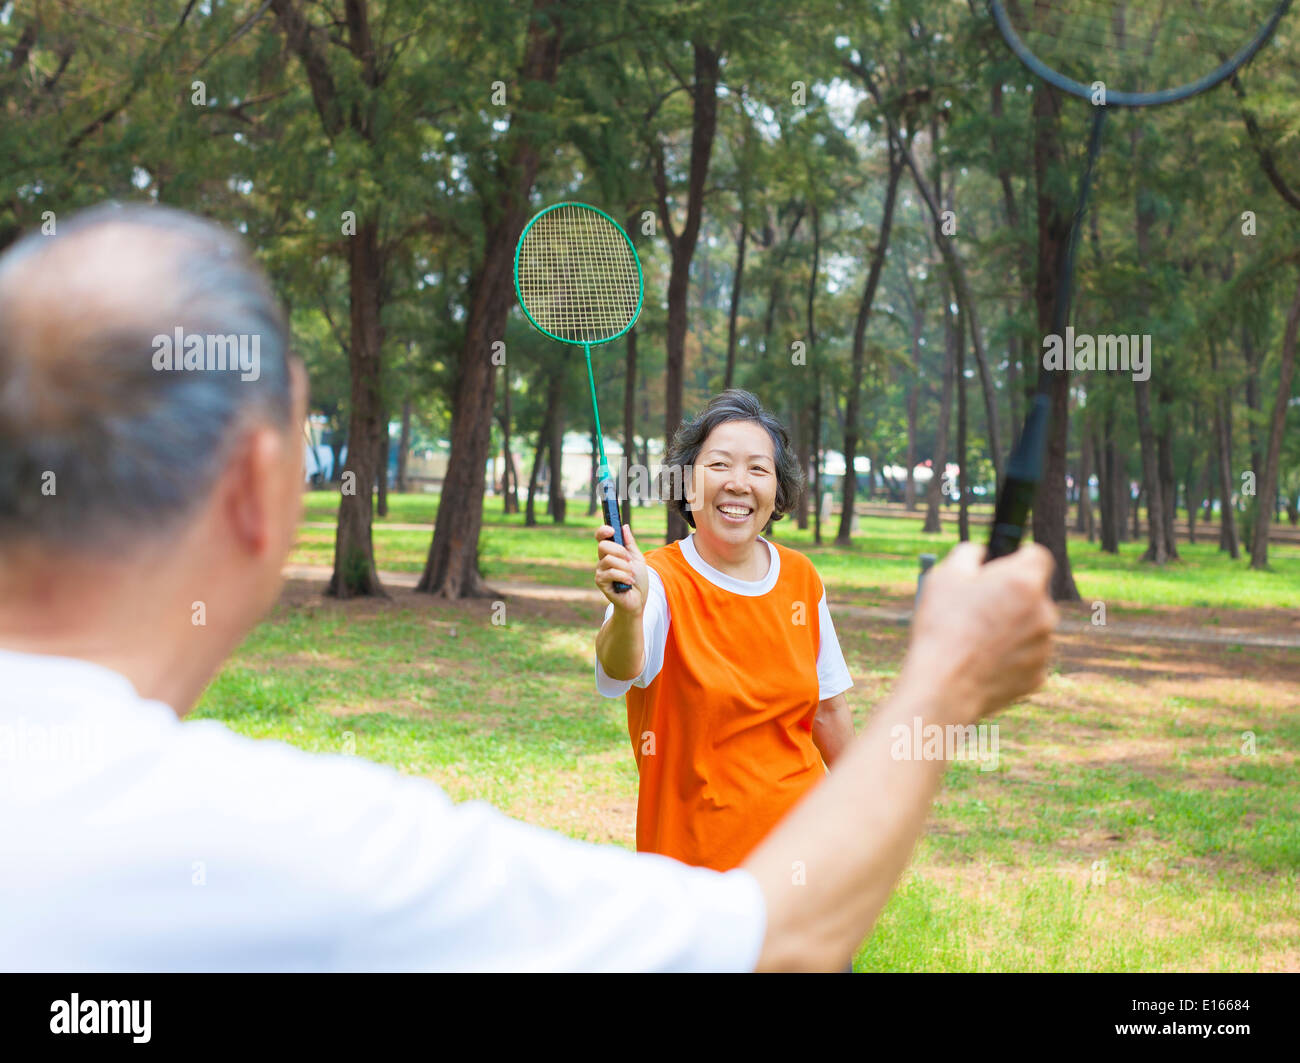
1129, 824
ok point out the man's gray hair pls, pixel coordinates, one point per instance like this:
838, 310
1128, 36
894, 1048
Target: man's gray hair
734, 404
99, 446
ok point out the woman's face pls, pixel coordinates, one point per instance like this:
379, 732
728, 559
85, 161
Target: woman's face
734, 483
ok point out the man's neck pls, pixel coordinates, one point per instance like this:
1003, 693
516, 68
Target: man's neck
125, 617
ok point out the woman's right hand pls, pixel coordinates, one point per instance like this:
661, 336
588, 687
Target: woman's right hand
622, 564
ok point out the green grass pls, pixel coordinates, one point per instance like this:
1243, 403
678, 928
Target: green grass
880, 565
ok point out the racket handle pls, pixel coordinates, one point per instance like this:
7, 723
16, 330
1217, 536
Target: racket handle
1010, 517
609, 506
1020, 483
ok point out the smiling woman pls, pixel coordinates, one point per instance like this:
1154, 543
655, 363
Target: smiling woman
723, 647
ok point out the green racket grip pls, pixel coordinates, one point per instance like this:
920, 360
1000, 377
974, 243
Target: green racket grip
609, 506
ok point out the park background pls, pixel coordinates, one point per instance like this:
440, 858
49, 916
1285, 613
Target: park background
853, 209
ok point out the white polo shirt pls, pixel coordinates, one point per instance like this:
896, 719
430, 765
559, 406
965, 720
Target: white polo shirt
132, 841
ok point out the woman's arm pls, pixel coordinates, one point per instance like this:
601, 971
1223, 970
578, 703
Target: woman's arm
620, 645
832, 729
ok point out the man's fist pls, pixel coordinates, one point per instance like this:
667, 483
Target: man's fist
986, 628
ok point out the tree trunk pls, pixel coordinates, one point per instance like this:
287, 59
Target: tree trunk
1106, 488
1168, 487
530, 513
963, 482
556, 504
452, 566
381, 496
1267, 486
799, 443
854, 397
1193, 481
736, 279
909, 483
404, 446
1011, 213
1155, 551
1083, 525
354, 553
802, 505
933, 493
1223, 446
1054, 221
704, 123
1144, 218
1251, 356
336, 458
1124, 500
510, 485
817, 464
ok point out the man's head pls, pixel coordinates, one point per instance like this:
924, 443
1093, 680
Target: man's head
150, 428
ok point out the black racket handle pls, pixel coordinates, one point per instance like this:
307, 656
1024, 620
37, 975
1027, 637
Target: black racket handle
609, 506
1010, 518
1020, 484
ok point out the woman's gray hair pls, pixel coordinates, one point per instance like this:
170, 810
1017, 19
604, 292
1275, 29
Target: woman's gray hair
734, 404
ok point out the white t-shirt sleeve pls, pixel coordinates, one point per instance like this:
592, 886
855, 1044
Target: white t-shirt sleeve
832, 672
654, 627
466, 888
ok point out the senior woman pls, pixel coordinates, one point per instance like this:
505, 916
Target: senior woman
723, 647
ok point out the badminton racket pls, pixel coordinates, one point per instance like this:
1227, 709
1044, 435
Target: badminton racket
579, 281
1112, 53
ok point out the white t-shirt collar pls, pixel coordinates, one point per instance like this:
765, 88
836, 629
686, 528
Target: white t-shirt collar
30, 678
749, 588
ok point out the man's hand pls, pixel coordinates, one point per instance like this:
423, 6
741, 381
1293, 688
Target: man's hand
987, 629
622, 564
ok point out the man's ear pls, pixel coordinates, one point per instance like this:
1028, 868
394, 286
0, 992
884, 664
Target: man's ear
250, 488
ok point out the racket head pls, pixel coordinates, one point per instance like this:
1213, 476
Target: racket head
1145, 52
577, 275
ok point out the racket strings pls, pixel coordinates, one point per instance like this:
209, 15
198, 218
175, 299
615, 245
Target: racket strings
1137, 45
578, 275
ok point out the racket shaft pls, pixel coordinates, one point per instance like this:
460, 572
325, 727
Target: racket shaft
609, 506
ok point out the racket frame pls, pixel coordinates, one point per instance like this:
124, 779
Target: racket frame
1119, 98
1024, 471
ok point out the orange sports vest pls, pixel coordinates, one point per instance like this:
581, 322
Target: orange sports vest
723, 734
